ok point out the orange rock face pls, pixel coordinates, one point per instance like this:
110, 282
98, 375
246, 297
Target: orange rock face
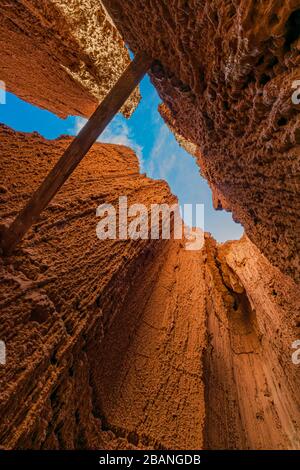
136, 343
62, 288
226, 72
251, 381
73, 49
148, 372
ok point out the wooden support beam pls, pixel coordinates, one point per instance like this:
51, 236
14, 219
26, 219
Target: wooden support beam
76, 151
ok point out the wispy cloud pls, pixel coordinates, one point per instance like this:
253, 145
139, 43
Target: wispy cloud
163, 156
167, 160
170, 162
118, 132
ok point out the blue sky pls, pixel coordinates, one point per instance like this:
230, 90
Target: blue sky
160, 155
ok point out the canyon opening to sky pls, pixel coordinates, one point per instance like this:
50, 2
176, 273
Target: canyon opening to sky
138, 343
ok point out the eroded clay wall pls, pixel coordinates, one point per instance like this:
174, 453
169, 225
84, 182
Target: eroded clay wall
61, 55
251, 382
62, 288
226, 73
135, 343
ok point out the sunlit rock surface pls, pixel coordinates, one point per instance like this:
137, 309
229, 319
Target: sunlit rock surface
251, 382
61, 55
63, 287
225, 72
135, 344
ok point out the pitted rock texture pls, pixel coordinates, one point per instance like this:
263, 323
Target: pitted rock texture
251, 383
200, 355
61, 55
62, 288
137, 344
147, 374
225, 72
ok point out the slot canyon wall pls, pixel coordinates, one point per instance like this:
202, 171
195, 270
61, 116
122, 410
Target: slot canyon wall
136, 344
203, 356
62, 287
142, 344
73, 49
225, 72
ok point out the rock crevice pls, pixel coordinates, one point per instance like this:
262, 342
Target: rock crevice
136, 343
226, 73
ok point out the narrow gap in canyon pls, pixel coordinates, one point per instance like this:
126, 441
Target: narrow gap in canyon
141, 342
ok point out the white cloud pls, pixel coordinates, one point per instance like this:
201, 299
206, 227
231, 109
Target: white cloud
117, 132
168, 161
160, 163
